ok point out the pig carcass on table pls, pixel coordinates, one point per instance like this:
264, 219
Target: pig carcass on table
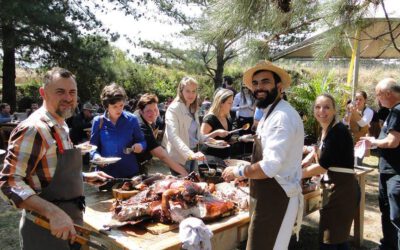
171, 199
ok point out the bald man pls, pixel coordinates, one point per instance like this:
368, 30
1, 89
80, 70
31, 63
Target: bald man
388, 94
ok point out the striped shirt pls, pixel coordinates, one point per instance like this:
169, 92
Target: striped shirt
31, 157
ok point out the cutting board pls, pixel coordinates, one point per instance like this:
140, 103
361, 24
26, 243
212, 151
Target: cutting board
159, 228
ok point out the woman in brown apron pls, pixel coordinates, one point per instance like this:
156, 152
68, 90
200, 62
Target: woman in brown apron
336, 158
358, 118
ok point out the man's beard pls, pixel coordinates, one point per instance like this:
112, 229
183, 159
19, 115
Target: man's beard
67, 113
270, 97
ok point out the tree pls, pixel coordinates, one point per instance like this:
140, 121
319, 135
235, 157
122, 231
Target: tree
212, 48
37, 31
91, 59
277, 24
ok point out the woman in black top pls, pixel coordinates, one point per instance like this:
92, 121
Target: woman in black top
336, 159
218, 119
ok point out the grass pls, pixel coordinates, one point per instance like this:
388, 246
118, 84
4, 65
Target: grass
9, 221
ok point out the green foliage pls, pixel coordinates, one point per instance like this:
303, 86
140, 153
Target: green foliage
27, 94
46, 32
303, 95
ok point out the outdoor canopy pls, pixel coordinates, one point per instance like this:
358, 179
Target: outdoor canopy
372, 40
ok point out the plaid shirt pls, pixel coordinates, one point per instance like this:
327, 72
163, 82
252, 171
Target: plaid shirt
32, 157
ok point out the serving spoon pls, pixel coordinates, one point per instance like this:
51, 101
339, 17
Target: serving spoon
244, 127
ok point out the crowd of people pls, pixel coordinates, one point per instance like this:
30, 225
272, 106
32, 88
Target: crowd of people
42, 170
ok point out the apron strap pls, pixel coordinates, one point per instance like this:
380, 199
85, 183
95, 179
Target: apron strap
56, 136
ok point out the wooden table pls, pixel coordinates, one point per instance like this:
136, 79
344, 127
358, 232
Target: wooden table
361, 173
228, 232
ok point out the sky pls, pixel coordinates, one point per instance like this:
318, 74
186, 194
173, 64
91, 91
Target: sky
146, 29
158, 31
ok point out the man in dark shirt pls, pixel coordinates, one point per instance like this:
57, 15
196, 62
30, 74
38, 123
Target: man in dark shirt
81, 124
388, 93
147, 113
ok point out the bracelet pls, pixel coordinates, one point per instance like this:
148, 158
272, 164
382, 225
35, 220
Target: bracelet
239, 171
242, 169
236, 172
190, 158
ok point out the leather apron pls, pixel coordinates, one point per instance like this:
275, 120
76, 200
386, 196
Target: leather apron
269, 208
341, 199
66, 191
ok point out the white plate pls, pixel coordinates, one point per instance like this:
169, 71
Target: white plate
235, 163
86, 147
106, 160
2, 151
212, 145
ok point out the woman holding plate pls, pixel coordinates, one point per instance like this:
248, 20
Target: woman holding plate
117, 134
182, 128
218, 120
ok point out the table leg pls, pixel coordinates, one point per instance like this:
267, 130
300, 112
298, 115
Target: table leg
359, 218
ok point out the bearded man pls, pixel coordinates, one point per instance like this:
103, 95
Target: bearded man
275, 170
42, 171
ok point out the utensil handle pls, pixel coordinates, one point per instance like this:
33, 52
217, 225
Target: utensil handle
45, 224
235, 130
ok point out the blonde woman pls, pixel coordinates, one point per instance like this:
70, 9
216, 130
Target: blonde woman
182, 133
182, 128
218, 121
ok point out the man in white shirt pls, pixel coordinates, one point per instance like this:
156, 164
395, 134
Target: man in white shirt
275, 172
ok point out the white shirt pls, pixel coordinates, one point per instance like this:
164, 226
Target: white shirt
282, 139
365, 119
238, 104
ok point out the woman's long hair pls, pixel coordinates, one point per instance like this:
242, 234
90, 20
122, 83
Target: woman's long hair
220, 98
244, 94
179, 96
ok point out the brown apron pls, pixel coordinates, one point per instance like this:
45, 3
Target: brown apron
66, 191
270, 207
339, 208
356, 130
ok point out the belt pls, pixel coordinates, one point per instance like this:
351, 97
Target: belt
342, 170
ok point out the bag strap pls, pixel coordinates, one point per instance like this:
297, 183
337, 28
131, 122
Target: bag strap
101, 122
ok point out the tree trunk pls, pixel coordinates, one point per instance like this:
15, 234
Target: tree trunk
219, 71
8, 44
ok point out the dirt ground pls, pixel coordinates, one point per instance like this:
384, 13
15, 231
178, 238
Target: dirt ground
9, 218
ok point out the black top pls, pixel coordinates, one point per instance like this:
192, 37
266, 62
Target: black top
78, 124
383, 113
151, 140
337, 148
215, 124
389, 162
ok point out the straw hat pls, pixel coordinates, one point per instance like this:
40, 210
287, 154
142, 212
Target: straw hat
266, 65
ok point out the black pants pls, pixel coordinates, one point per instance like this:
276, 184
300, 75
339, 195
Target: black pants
389, 204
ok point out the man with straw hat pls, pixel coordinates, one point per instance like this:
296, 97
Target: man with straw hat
275, 172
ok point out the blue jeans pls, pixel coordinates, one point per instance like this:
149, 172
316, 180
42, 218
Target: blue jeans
389, 204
